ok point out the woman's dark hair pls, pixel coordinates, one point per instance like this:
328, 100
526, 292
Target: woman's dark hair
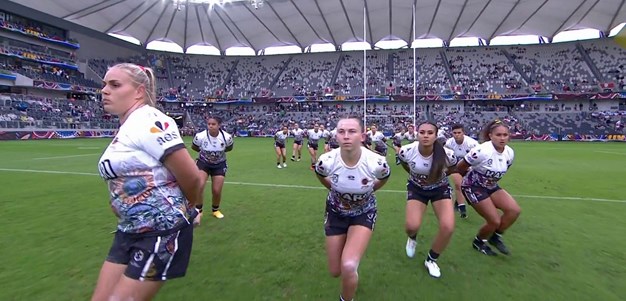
488, 128
216, 118
440, 159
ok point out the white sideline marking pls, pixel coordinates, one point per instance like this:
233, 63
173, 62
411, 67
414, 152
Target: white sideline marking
614, 153
314, 187
63, 157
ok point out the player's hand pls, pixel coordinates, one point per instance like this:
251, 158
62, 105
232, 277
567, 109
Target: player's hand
196, 221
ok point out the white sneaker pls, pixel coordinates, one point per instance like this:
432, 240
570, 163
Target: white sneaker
284, 164
279, 166
410, 247
433, 268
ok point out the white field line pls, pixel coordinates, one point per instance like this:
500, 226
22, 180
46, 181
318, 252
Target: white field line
65, 157
568, 198
613, 153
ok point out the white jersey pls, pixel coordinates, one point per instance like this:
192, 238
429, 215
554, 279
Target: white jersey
460, 150
441, 134
314, 136
144, 194
352, 188
326, 134
420, 166
398, 137
297, 134
332, 139
281, 138
212, 149
488, 165
412, 137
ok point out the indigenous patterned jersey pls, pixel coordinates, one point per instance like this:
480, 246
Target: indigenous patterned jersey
212, 149
352, 188
314, 136
420, 166
488, 165
144, 194
297, 134
460, 150
281, 137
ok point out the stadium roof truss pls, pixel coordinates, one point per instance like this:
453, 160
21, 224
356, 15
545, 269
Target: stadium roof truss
263, 23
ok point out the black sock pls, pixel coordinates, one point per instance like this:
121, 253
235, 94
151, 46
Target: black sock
215, 208
413, 237
432, 255
497, 234
278, 163
462, 208
478, 240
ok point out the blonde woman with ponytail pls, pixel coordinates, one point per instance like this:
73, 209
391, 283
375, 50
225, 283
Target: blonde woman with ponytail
155, 190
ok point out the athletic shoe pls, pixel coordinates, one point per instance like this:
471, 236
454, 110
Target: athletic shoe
483, 248
284, 164
279, 166
433, 268
463, 214
496, 241
410, 247
218, 214
293, 159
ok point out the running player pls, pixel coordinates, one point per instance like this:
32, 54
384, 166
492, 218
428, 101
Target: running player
352, 173
379, 140
212, 145
280, 139
313, 136
297, 134
428, 163
489, 162
461, 145
397, 142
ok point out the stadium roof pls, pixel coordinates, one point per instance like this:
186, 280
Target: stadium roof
263, 23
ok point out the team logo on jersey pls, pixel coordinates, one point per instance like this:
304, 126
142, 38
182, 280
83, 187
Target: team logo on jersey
489, 162
159, 127
365, 181
138, 255
335, 178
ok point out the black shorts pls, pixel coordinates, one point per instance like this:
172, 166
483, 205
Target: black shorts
397, 144
153, 258
415, 193
313, 146
336, 224
218, 169
475, 194
280, 145
297, 142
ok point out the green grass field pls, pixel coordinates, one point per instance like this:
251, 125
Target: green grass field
567, 245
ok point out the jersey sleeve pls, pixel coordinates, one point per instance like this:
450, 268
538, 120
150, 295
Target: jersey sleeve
197, 140
512, 157
229, 140
159, 138
476, 156
405, 152
381, 168
323, 165
451, 158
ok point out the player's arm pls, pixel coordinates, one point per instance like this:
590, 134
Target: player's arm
195, 145
382, 172
462, 167
230, 143
322, 169
187, 175
452, 161
402, 156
